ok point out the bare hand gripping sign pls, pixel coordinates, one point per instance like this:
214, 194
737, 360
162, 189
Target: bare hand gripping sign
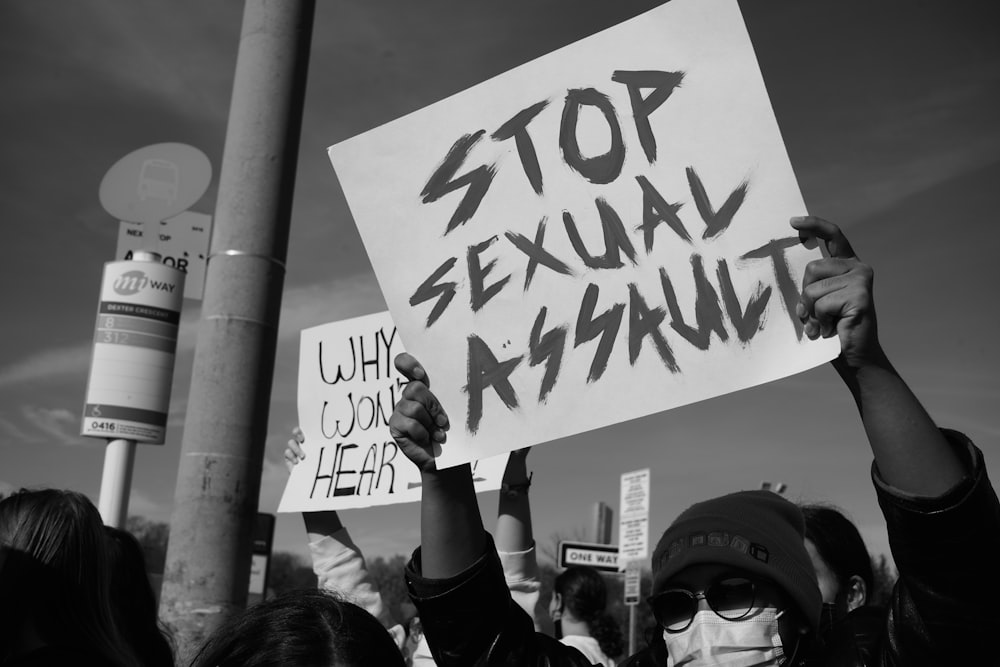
348, 387
592, 237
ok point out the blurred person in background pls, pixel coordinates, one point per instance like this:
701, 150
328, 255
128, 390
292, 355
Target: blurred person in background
303, 628
133, 602
850, 625
54, 583
579, 610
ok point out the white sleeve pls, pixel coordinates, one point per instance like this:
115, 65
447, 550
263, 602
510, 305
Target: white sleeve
340, 568
520, 570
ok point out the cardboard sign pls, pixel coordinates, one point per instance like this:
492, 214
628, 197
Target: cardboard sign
595, 236
348, 387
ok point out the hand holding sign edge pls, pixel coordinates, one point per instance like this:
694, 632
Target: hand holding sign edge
837, 296
418, 423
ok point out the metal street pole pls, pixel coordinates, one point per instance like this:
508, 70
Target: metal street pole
119, 459
131, 367
631, 629
116, 482
207, 572
602, 523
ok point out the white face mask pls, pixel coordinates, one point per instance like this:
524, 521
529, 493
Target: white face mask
711, 640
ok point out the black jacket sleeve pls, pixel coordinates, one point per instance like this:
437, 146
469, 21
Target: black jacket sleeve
470, 620
945, 608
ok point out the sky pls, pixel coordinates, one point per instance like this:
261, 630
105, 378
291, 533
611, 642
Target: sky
888, 110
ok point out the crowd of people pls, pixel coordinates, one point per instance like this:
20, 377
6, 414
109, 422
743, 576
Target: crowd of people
748, 578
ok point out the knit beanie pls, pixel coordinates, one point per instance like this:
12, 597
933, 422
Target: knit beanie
756, 531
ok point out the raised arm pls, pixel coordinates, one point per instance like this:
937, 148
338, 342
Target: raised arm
337, 561
941, 511
514, 539
452, 536
455, 579
910, 452
513, 532
318, 524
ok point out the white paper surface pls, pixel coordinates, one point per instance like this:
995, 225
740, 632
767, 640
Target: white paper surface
466, 296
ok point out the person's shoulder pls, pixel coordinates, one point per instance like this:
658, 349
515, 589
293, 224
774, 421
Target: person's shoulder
588, 646
858, 637
553, 653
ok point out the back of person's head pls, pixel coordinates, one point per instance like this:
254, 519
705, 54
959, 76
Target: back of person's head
304, 628
753, 534
845, 567
583, 593
133, 602
57, 572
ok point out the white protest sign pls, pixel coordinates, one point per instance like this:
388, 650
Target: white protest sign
348, 387
595, 236
182, 242
633, 512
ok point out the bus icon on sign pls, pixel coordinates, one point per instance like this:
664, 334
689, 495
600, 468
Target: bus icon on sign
158, 179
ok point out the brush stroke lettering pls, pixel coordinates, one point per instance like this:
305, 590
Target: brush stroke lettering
720, 306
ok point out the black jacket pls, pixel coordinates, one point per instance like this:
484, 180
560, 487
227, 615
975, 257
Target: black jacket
944, 610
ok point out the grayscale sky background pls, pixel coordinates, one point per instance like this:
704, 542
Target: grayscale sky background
889, 111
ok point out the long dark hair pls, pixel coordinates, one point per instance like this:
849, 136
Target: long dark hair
839, 544
584, 593
302, 628
56, 575
133, 602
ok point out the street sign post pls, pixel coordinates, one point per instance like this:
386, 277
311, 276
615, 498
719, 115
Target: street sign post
603, 557
633, 536
633, 582
263, 538
181, 241
633, 526
132, 366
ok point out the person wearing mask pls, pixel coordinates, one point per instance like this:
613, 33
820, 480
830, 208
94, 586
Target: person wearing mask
849, 624
732, 580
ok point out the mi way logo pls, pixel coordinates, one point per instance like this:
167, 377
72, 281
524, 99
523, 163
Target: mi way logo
133, 282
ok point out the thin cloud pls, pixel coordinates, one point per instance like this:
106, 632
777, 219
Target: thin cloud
12, 434
55, 425
36, 425
315, 304
53, 363
302, 307
74, 360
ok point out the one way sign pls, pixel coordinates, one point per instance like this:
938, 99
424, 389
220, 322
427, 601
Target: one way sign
602, 557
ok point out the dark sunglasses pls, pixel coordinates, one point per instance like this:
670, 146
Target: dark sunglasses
731, 598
